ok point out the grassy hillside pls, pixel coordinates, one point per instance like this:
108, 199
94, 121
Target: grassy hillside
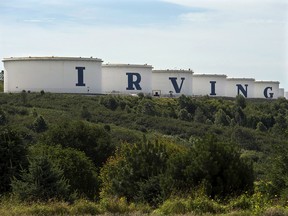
149, 139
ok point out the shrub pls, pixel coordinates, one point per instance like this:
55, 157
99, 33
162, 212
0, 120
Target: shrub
76, 166
85, 207
42, 182
133, 172
39, 125
83, 136
12, 157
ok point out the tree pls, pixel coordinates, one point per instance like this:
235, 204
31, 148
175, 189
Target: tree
221, 118
184, 115
3, 117
13, 154
240, 101
85, 114
42, 182
94, 140
76, 167
261, 127
39, 125
134, 172
199, 116
215, 165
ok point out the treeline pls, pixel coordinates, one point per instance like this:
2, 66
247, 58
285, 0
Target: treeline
158, 152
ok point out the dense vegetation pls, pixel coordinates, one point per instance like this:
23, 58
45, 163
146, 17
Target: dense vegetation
77, 154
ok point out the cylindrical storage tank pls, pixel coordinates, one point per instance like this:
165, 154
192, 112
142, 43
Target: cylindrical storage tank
266, 89
209, 84
281, 92
126, 79
171, 82
242, 86
53, 74
286, 95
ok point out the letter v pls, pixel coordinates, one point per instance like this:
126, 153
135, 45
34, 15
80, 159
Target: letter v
175, 84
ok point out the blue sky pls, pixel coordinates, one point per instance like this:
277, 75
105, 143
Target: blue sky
240, 38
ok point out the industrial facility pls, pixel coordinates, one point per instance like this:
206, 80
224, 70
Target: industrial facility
90, 76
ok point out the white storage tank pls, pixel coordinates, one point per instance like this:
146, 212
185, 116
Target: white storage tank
266, 89
171, 82
52, 74
209, 84
126, 78
286, 95
281, 92
242, 86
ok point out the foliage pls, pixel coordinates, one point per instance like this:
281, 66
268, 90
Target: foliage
43, 181
39, 125
1, 86
76, 167
205, 163
3, 117
91, 139
12, 157
134, 172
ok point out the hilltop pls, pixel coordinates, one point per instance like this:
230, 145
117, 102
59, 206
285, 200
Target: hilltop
147, 150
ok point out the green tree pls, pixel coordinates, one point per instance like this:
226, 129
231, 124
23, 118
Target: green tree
109, 102
184, 115
85, 114
77, 168
261, 127
221, 118
199, 116
13, 154
3, 117
94, 140
42, 182
240, 101
134, 172
147, 107
39, 125
216, 166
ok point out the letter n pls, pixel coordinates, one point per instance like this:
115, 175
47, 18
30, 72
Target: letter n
80, 76
134, 82
241, 89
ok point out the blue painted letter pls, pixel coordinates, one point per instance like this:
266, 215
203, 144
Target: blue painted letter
266, 92
241, 88
213, 88
132, 82
80, 76
175, 85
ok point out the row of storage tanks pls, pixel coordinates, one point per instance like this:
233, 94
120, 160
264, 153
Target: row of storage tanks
89, 75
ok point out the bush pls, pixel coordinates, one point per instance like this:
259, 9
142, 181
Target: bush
76, 166
85, 207
39, 125
83, 136
134, 172
42, 182
206, 164
12, 157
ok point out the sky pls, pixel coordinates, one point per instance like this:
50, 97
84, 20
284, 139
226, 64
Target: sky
239, 38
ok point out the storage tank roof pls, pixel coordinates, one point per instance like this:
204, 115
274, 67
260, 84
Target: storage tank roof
128, 65
209, 75
51, 58
239, 79
173, 71
263, 81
